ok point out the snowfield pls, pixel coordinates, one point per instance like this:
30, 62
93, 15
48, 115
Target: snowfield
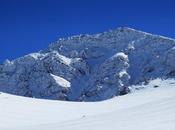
150, 108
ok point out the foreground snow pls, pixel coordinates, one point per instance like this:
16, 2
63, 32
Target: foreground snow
148, 109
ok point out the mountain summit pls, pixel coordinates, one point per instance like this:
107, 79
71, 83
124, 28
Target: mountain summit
90, 67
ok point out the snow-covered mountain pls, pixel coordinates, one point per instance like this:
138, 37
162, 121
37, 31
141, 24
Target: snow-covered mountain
90, 67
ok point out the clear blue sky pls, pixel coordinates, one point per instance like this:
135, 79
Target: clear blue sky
30, 25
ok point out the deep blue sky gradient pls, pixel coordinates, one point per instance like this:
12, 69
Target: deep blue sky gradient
30, 25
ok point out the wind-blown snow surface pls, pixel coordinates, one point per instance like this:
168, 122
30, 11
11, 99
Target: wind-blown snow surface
151, 108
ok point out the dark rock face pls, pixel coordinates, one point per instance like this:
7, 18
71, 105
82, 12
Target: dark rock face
90, 67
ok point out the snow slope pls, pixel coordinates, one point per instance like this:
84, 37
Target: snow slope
151, 108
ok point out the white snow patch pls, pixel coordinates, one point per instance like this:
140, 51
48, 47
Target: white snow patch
122, 73
61, 81
65, 60
36, 55
121, 54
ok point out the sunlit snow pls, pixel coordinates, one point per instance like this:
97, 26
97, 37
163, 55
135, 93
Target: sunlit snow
147, 109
